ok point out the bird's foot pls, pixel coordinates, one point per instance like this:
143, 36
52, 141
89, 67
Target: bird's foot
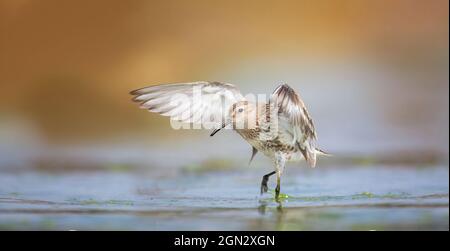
264, 187
264, 181
281, 196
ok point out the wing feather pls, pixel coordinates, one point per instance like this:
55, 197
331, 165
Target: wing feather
196, 102
292, 109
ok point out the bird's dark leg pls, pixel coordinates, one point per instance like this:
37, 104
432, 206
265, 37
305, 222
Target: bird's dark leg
264, 181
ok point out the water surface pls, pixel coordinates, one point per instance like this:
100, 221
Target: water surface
219, 195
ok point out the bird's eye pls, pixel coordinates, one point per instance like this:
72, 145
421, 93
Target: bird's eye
241, 110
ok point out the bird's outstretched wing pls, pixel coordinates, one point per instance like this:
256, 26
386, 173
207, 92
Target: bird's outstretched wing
292, 109
205, 103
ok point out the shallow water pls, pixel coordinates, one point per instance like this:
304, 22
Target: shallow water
358, 197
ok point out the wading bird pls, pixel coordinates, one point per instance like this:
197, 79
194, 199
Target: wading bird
281, 129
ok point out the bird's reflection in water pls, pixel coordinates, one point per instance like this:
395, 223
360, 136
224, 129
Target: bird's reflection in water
277, 212
262, 207
263, 204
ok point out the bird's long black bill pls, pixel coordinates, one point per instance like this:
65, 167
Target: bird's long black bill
218, 129
215, 131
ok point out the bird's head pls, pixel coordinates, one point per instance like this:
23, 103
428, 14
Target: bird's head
243, 115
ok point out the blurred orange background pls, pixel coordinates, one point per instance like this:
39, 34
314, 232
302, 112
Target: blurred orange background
67, 66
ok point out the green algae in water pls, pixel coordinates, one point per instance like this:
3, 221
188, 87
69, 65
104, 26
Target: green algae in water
325, 198
100, 202
365, 161
210, 165
364, 195
320, 198
84, 202
368, 195
395, 196
119, 202
281, 195
119, 168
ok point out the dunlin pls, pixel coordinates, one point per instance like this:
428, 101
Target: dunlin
281, 128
